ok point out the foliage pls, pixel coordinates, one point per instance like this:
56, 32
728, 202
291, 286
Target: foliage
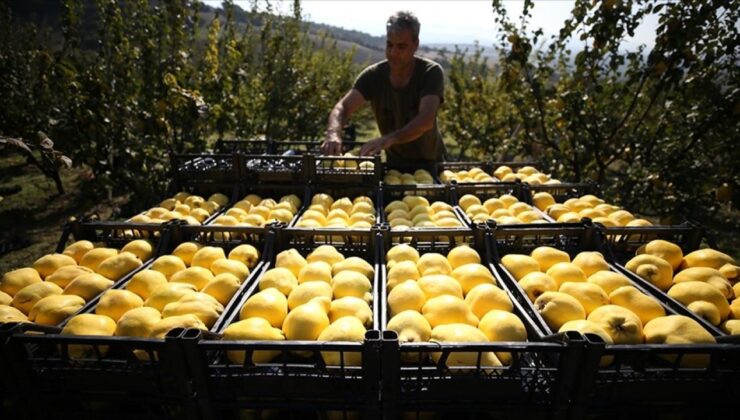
51, 160
159, 81
657, 129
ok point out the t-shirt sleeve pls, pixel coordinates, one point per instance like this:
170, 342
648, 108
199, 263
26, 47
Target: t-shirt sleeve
434, 82
364, 83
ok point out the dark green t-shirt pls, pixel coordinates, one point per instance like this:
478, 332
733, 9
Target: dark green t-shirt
394, 108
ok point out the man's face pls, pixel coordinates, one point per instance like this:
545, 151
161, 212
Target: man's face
400, 47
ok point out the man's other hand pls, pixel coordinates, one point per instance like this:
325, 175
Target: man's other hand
373, 146
332, 146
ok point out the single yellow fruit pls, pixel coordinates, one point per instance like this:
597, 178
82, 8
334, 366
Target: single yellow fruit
705, 310
88, 324
29, 295
95, 256
168, 265
520, 265
557, 308
589, 295
590, 262
351, 306
645, 307
406, 296
269, 304
206, 256
731, 326
608, 280
678, 329
114, 268
622, 325
325, 253
246, 254
206, 312
666, 250
307, 321
137, 322
186, 250
195, 275
143, 282
352, 283
542, 200
48, 264
707, 257
315, 271
354, 264
347, 328
411, 327
280, 278
15, 280
222, 287
141, 248
5, 299
500, 325
402, 271
402, 252
447, 309
305, 292
487, 297
548, 256
234, 267
292, 260
63, 276
461, 332
253, 329
566, 272
168, 293
78, 249
87, 286
536, 283
691, 291
53, 309
653, 269
439, 284
115, 303
472, 275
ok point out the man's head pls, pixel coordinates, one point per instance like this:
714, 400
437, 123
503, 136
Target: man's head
402, 40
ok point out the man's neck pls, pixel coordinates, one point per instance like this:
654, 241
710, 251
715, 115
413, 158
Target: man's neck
400, 77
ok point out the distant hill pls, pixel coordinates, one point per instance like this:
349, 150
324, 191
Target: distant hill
368, 48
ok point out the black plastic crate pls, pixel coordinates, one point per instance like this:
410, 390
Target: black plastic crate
338, 192
200, 188
636, 371
624, 241
265, 191
291, 382
355, 170
431, 193
206, 167
115, 375
538, 381
52, 384
270, 168
484, 191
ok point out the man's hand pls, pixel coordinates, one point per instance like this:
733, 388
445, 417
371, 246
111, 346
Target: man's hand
374, 146
332, 146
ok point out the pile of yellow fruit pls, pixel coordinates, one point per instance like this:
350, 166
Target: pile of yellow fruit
705, 281
421, 176
194, 209
452, 298
584, 295
475, 174
255, 211
323, 297
352, 164
58, 285
415, 211
187, 289
574, 209
505, 210
324, 211
527, 174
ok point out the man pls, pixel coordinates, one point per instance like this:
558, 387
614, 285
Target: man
405, 92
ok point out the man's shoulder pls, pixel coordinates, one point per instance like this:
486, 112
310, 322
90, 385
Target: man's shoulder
428, 64
376, 67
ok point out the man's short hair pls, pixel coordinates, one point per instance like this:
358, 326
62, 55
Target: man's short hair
404, 20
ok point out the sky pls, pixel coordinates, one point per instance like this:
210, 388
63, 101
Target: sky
443, 22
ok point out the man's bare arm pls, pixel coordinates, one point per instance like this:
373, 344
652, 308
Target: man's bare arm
423, 122
338, 116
